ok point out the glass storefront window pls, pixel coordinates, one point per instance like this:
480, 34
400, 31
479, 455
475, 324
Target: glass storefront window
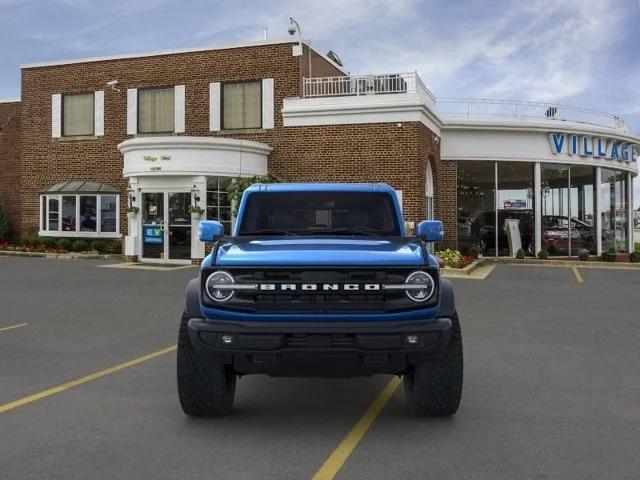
69, 213
615, 223
476, 206
53, 214
108, 213
218, 205
87, 213
554, 193
582, 205
73, 215
516, 222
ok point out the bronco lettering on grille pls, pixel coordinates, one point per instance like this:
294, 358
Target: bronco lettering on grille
325, 287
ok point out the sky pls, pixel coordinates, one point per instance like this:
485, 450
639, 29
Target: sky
577, 52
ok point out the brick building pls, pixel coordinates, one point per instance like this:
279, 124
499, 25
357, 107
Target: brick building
163, 131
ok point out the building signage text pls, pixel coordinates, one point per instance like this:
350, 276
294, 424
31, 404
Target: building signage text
593, 146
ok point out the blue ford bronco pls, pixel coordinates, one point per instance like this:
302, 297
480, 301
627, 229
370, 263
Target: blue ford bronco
320, 280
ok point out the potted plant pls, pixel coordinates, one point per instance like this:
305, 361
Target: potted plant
132, 211
195, 211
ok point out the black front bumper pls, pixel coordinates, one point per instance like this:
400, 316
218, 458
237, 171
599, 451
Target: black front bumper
320, 349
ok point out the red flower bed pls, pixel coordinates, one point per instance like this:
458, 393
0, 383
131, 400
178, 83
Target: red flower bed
38, 248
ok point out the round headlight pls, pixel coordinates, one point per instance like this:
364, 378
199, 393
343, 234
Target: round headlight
424, 289
214, 286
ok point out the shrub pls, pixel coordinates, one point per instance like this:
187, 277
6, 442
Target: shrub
449, 257
543, 254
473, 251
64, 244
583, 255
610, 254
635, 257
99, 246
116, 247
520, 254
79, 246
49, 242
29, 241
4, 221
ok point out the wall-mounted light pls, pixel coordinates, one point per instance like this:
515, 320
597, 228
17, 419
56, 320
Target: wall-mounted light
196, 193
132, 195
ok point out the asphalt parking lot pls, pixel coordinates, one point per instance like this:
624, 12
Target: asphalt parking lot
552, 386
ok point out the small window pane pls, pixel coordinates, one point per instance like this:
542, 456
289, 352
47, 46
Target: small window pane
77, 114
156, 110
69, 214
87, 214
242, 105
54, 213
108, 213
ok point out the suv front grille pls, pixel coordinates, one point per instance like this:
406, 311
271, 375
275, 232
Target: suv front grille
340, 301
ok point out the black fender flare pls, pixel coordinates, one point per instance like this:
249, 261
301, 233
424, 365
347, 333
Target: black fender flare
447, 306
192, 305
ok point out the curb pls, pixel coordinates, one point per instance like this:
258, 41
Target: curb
61, 256
468, 269
564, 263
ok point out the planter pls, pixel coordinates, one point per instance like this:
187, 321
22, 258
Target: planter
132, 215
196, 216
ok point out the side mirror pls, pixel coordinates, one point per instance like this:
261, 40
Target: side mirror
210, 231
430, 230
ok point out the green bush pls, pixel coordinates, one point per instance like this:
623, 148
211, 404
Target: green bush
520, 254
64, 244
30, 241
79, 246
610, 254
99, 246
583, 255
116, 247
543, 254
4, 221
635, 257
48, 241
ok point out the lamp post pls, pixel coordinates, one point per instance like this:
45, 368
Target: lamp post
294, 27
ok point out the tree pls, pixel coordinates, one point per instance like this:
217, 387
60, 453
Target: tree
240, 184
4, 221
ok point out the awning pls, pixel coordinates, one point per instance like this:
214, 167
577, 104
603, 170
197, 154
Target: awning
81, 186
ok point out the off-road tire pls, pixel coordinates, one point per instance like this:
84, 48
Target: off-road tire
205, 389
434, 389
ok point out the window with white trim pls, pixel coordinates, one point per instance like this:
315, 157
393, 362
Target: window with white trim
242, 105
218, 204
80, 215
156, 110
78, 114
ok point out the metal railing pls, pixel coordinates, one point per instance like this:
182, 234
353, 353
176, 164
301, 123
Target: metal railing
411, 83
357, 85
479, 107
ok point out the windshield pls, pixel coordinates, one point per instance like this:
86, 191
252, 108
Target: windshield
319, 213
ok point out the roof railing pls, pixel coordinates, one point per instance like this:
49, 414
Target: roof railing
484, 107
411, 83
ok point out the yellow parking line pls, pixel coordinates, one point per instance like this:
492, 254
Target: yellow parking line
576, 273
79, 381
336, 460
11, 327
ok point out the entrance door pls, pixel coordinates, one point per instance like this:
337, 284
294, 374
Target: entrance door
166, 226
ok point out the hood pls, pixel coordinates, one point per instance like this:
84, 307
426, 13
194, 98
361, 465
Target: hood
319, 251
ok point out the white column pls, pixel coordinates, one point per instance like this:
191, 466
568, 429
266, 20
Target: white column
630, 211
598, 215
131, 243
537, 208
197, 247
